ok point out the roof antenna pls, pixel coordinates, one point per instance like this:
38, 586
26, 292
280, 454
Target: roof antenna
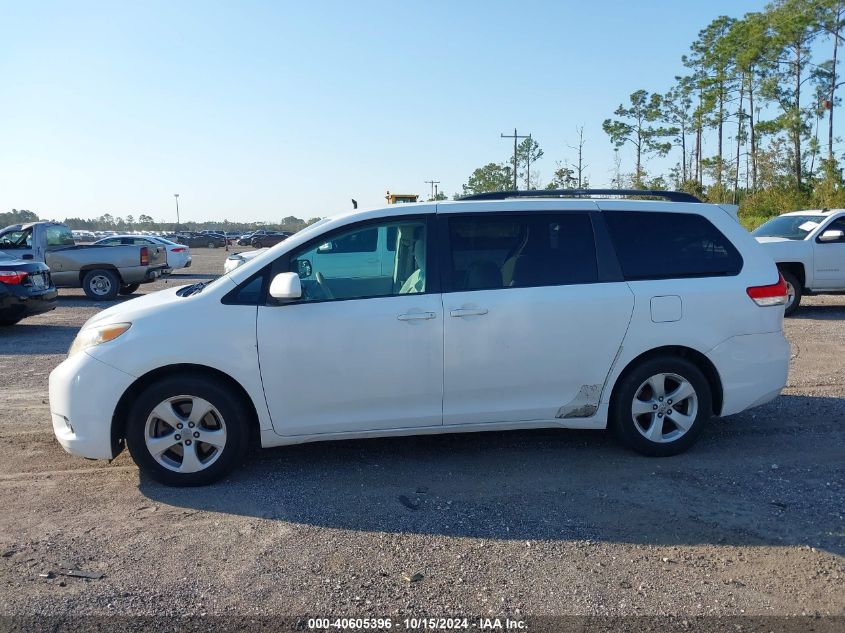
354, 203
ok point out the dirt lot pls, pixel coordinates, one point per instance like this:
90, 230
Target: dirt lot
523, 523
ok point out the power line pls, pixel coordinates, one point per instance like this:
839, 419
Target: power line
433, 184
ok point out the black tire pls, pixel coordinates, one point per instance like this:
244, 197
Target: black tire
792, 282
128, 289
220, 396
212, 245
9, 322
631, 432
101, 284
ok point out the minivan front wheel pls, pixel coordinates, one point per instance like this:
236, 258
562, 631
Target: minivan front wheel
187, 431
660, 407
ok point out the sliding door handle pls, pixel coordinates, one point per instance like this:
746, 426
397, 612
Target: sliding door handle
464, 312
416, 316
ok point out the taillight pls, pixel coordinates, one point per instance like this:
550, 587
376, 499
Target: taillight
12, 277
774, 295
177, 250
145, 256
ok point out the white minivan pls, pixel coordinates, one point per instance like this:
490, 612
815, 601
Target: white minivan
512, 310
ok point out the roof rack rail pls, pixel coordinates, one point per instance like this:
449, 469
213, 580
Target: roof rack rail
672, 196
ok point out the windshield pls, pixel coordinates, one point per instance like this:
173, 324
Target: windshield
20, 238
306, 231
791, 227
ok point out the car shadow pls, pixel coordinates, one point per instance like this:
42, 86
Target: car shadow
819, 312
26, 338
81, 301
759, 478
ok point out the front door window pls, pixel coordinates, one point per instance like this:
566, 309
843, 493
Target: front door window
372, 261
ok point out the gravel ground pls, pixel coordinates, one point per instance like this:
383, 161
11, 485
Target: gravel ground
492, 524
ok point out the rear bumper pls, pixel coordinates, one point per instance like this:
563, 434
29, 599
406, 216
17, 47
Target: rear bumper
17, 303
84, 393
753, 369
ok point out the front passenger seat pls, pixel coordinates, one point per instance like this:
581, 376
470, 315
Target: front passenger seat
416, 282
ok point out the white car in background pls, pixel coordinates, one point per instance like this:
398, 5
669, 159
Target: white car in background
178, 255
511, 310
237, 259
809, 250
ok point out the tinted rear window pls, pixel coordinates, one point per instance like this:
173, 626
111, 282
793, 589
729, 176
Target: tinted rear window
668, 245
519, 251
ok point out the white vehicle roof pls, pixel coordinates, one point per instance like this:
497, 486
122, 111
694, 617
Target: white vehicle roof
819, 212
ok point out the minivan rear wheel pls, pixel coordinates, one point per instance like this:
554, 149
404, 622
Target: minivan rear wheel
659, 408
187, 431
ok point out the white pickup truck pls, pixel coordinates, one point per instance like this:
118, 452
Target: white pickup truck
809, 250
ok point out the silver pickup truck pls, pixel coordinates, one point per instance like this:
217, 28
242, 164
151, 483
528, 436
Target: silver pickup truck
102, 272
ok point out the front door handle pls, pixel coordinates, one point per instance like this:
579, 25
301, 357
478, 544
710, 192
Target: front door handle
416, 316
464, 312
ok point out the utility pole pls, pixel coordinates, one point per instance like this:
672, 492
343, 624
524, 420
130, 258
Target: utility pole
433, 184
176, 195
514, 136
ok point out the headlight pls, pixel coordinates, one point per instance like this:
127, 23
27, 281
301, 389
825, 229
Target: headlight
91, 336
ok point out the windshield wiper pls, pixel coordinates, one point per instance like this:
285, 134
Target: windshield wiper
193, 289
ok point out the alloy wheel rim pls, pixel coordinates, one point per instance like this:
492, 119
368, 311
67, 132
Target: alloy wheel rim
664, 408
185, 434
101, 285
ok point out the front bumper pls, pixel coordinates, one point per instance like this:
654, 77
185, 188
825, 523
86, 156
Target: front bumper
753, 369
84, 393
18, 302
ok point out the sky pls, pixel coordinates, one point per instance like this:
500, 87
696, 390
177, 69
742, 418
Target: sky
257, 110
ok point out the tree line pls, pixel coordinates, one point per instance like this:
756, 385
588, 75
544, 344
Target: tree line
144, 222
749, 122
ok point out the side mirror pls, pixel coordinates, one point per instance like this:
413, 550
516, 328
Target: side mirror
286, 286
303, 268
832, 235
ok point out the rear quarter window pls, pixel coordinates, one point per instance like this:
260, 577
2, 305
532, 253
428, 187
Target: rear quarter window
653, 245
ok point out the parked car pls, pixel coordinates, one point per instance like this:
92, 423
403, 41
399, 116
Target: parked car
236, 259
246, 238
199, 240
84, 236
809, 249
102, 272
25, 289
484, 314
271, 238
178, 255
